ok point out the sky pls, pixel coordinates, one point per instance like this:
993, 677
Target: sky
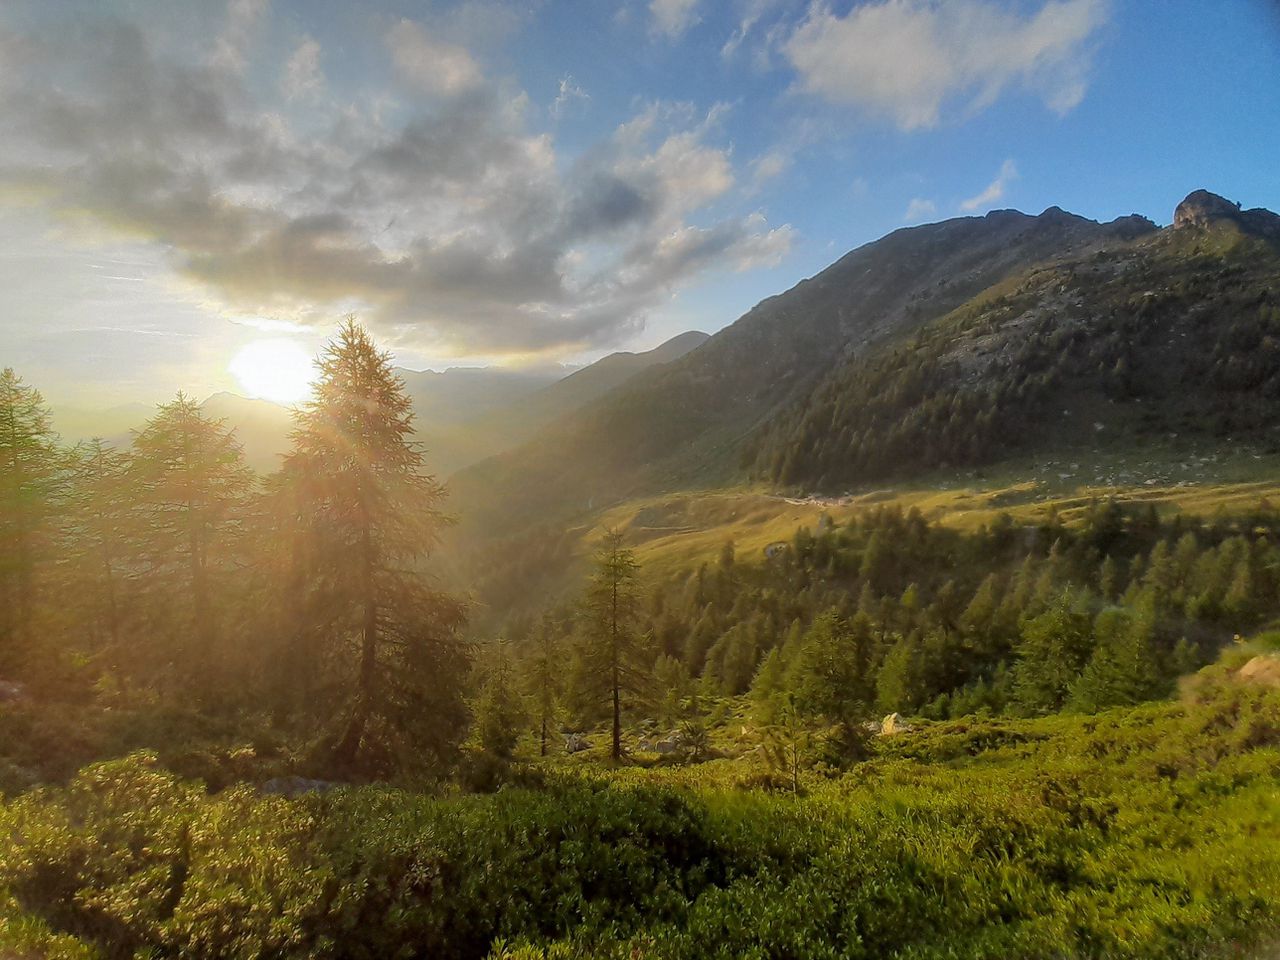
540, 182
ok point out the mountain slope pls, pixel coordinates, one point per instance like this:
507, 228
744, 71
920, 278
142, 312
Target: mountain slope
516, 421
1178, 332
685, 422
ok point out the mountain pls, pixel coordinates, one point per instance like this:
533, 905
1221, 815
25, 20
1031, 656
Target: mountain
1176, 333
262, 427
464, 414
76, 424
515, 422
459, 394
686, 422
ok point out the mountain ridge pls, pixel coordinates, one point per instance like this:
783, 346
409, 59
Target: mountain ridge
685, 422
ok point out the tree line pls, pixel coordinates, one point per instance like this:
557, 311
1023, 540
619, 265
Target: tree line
889, 613
167, 572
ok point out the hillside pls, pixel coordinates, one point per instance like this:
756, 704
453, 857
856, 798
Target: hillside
1175, 334
505, 420
684, 423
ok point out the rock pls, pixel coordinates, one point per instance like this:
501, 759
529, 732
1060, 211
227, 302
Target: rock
668, 746
1261, 671
1203, 209
576, 743
294, 786
892, 724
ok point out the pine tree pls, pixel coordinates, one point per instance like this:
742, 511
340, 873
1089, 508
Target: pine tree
543, 672
372, 512
1054, 649
499, 712
97, 531
832, 678
189, 480
29, 483
1121, 669
614, 647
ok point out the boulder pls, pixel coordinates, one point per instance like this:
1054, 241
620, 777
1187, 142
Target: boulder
576, 743
1263, 671
892, 724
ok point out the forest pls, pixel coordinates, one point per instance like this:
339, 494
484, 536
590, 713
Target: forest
250, 716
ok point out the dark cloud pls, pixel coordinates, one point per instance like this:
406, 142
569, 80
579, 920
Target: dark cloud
452, 224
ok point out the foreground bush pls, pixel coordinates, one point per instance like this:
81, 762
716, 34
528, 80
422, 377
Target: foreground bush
1146, 833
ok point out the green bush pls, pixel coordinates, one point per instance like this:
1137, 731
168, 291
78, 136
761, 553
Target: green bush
1141, 833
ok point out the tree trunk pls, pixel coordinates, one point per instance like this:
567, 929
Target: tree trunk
616, 750
366, 694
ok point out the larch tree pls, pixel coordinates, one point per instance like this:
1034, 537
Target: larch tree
30, 476
372, 514
614, 646
96, 531
190, 482
543, 676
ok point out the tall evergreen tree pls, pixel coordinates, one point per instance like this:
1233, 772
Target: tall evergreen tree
190, 482
372, 513
614, 648
29, 480
97, 532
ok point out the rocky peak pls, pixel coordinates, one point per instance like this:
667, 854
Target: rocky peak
1203, 209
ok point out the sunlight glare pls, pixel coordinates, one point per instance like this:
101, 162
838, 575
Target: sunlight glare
278, 370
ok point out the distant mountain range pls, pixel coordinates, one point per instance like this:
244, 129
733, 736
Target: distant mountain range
958, 342
463, 414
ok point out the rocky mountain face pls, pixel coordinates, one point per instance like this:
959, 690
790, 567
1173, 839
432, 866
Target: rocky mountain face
1176, 332
686, 422
1205, 209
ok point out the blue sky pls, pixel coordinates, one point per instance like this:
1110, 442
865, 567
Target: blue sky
546, 182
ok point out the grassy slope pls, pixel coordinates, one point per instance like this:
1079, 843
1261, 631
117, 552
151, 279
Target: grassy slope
676, 532
1143, 833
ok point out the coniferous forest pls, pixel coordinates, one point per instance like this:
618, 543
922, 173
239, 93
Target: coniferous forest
246, 715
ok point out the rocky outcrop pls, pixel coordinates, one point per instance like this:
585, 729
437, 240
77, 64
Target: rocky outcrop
1203, 209
1262, 671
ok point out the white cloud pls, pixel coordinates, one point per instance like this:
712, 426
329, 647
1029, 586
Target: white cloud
994, 190
673, 17
431, 63
920, 208
753, 11
568, 95
302, 74
769, 165
230, 50
911, 59
445, 221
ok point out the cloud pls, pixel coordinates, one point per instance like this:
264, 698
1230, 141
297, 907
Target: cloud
230, 50
769, 165
447, 223
753, 12
302, 74
430, 63
673, 17
919, 209
913, 59
994, 190
568, 95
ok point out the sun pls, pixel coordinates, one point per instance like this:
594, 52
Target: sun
278, 370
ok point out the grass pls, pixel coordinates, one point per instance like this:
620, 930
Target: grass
1144, 833
674, 533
